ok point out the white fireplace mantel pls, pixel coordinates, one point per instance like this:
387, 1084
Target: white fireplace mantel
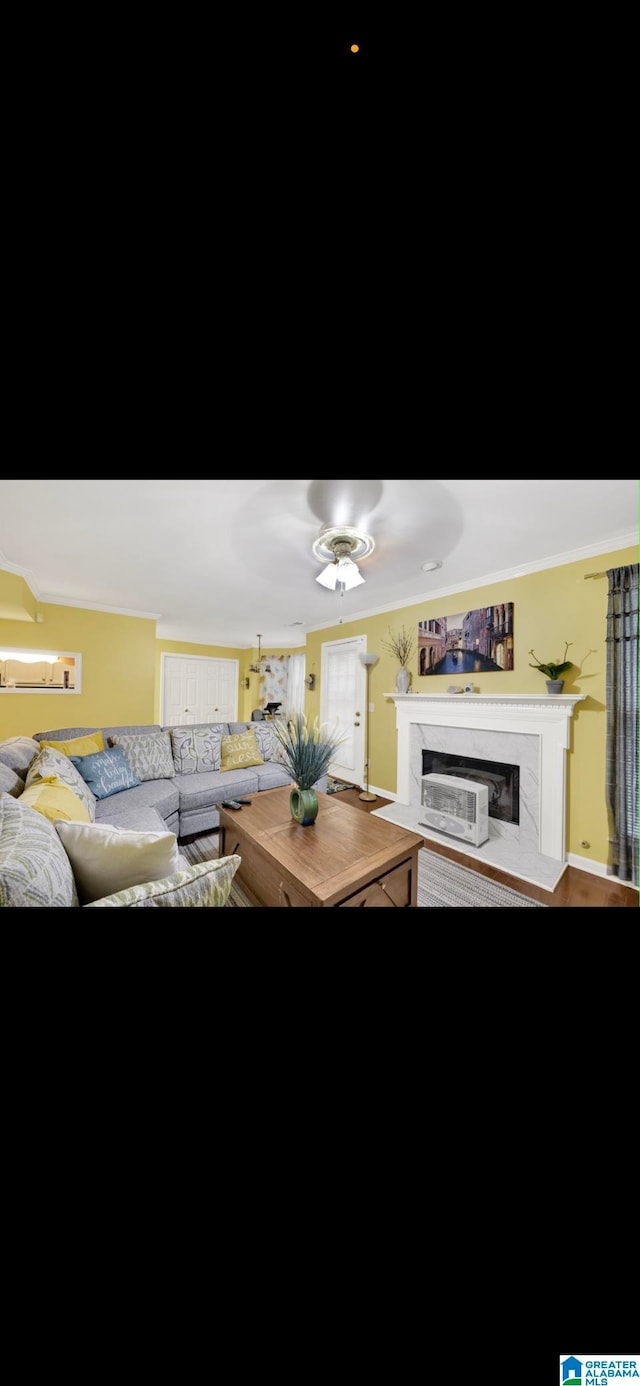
537, 714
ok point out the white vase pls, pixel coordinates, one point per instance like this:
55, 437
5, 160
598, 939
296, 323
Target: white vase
402, 680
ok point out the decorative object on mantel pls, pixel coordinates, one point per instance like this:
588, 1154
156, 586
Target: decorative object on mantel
454, 688
306, 752
469, 688
553, 670
402, 646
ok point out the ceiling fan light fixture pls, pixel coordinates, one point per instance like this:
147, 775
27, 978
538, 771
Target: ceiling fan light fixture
338, 546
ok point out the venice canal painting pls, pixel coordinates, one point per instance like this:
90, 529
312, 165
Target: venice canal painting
472, 642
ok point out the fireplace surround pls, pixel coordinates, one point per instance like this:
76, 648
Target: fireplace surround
530, 731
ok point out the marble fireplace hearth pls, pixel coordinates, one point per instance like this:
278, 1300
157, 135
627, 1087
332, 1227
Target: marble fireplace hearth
530, 731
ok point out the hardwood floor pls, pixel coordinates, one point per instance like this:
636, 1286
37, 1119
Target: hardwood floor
575, 889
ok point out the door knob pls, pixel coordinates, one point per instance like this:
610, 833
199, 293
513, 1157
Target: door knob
356, 724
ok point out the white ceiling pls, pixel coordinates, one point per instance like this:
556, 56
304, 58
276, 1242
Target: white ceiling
218, 561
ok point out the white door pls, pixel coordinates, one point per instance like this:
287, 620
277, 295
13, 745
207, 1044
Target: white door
196, 689
342, 704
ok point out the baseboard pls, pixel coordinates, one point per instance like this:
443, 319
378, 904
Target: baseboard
596, 868
384, 793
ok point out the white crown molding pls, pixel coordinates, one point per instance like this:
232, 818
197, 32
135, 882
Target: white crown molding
194, 637
624, 541
20, 572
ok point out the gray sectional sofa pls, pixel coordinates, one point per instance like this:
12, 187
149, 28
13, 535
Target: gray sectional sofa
187, 802
178, 787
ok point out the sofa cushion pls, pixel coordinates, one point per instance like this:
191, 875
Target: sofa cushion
77, 745
63, 733
239, 751
105, 858
10, 783
149, 755
17, 752
203, 790
206, 885
196, 748
34, 867
51, 766
106, 772
272, 775
161, 795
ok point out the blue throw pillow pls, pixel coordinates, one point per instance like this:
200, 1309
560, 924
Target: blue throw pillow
106, 772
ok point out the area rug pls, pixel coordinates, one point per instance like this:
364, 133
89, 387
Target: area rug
441, 883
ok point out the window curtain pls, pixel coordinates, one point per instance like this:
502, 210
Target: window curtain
622, 722
295, 683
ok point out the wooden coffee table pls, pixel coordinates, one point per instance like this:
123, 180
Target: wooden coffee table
346, 857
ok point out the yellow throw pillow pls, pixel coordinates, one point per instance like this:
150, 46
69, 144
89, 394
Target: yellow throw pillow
79, 745
239, 750
55, 801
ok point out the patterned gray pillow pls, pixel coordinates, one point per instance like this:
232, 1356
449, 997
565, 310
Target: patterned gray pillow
10, 783
149, 754
265, 738
49, 762
34, 867
196, 748
17, 752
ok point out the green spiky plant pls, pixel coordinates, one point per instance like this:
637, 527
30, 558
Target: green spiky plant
553, 670
305, 750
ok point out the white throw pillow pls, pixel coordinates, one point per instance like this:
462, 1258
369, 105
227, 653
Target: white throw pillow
105, 859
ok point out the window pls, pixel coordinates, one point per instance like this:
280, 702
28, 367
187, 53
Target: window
40, 671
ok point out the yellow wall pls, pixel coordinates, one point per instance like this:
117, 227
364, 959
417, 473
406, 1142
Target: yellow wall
118, 671
17, 602
550, 607
121, 672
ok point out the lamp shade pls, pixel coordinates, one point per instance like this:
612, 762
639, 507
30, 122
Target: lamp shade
329, 576
348, 573
344, 571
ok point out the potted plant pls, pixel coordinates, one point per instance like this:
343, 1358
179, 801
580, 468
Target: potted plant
402, 646
553, 669
306, 752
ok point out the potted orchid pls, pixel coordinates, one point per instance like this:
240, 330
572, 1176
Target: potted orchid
553, 669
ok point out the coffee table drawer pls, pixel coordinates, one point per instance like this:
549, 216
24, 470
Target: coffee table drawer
397, 888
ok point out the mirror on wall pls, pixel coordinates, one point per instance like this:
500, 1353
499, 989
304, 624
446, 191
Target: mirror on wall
39, 671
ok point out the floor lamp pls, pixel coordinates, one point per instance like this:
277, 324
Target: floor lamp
367, 660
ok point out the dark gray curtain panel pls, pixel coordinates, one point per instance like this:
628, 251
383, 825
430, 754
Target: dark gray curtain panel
622, 722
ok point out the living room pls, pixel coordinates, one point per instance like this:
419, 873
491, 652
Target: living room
542, 549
